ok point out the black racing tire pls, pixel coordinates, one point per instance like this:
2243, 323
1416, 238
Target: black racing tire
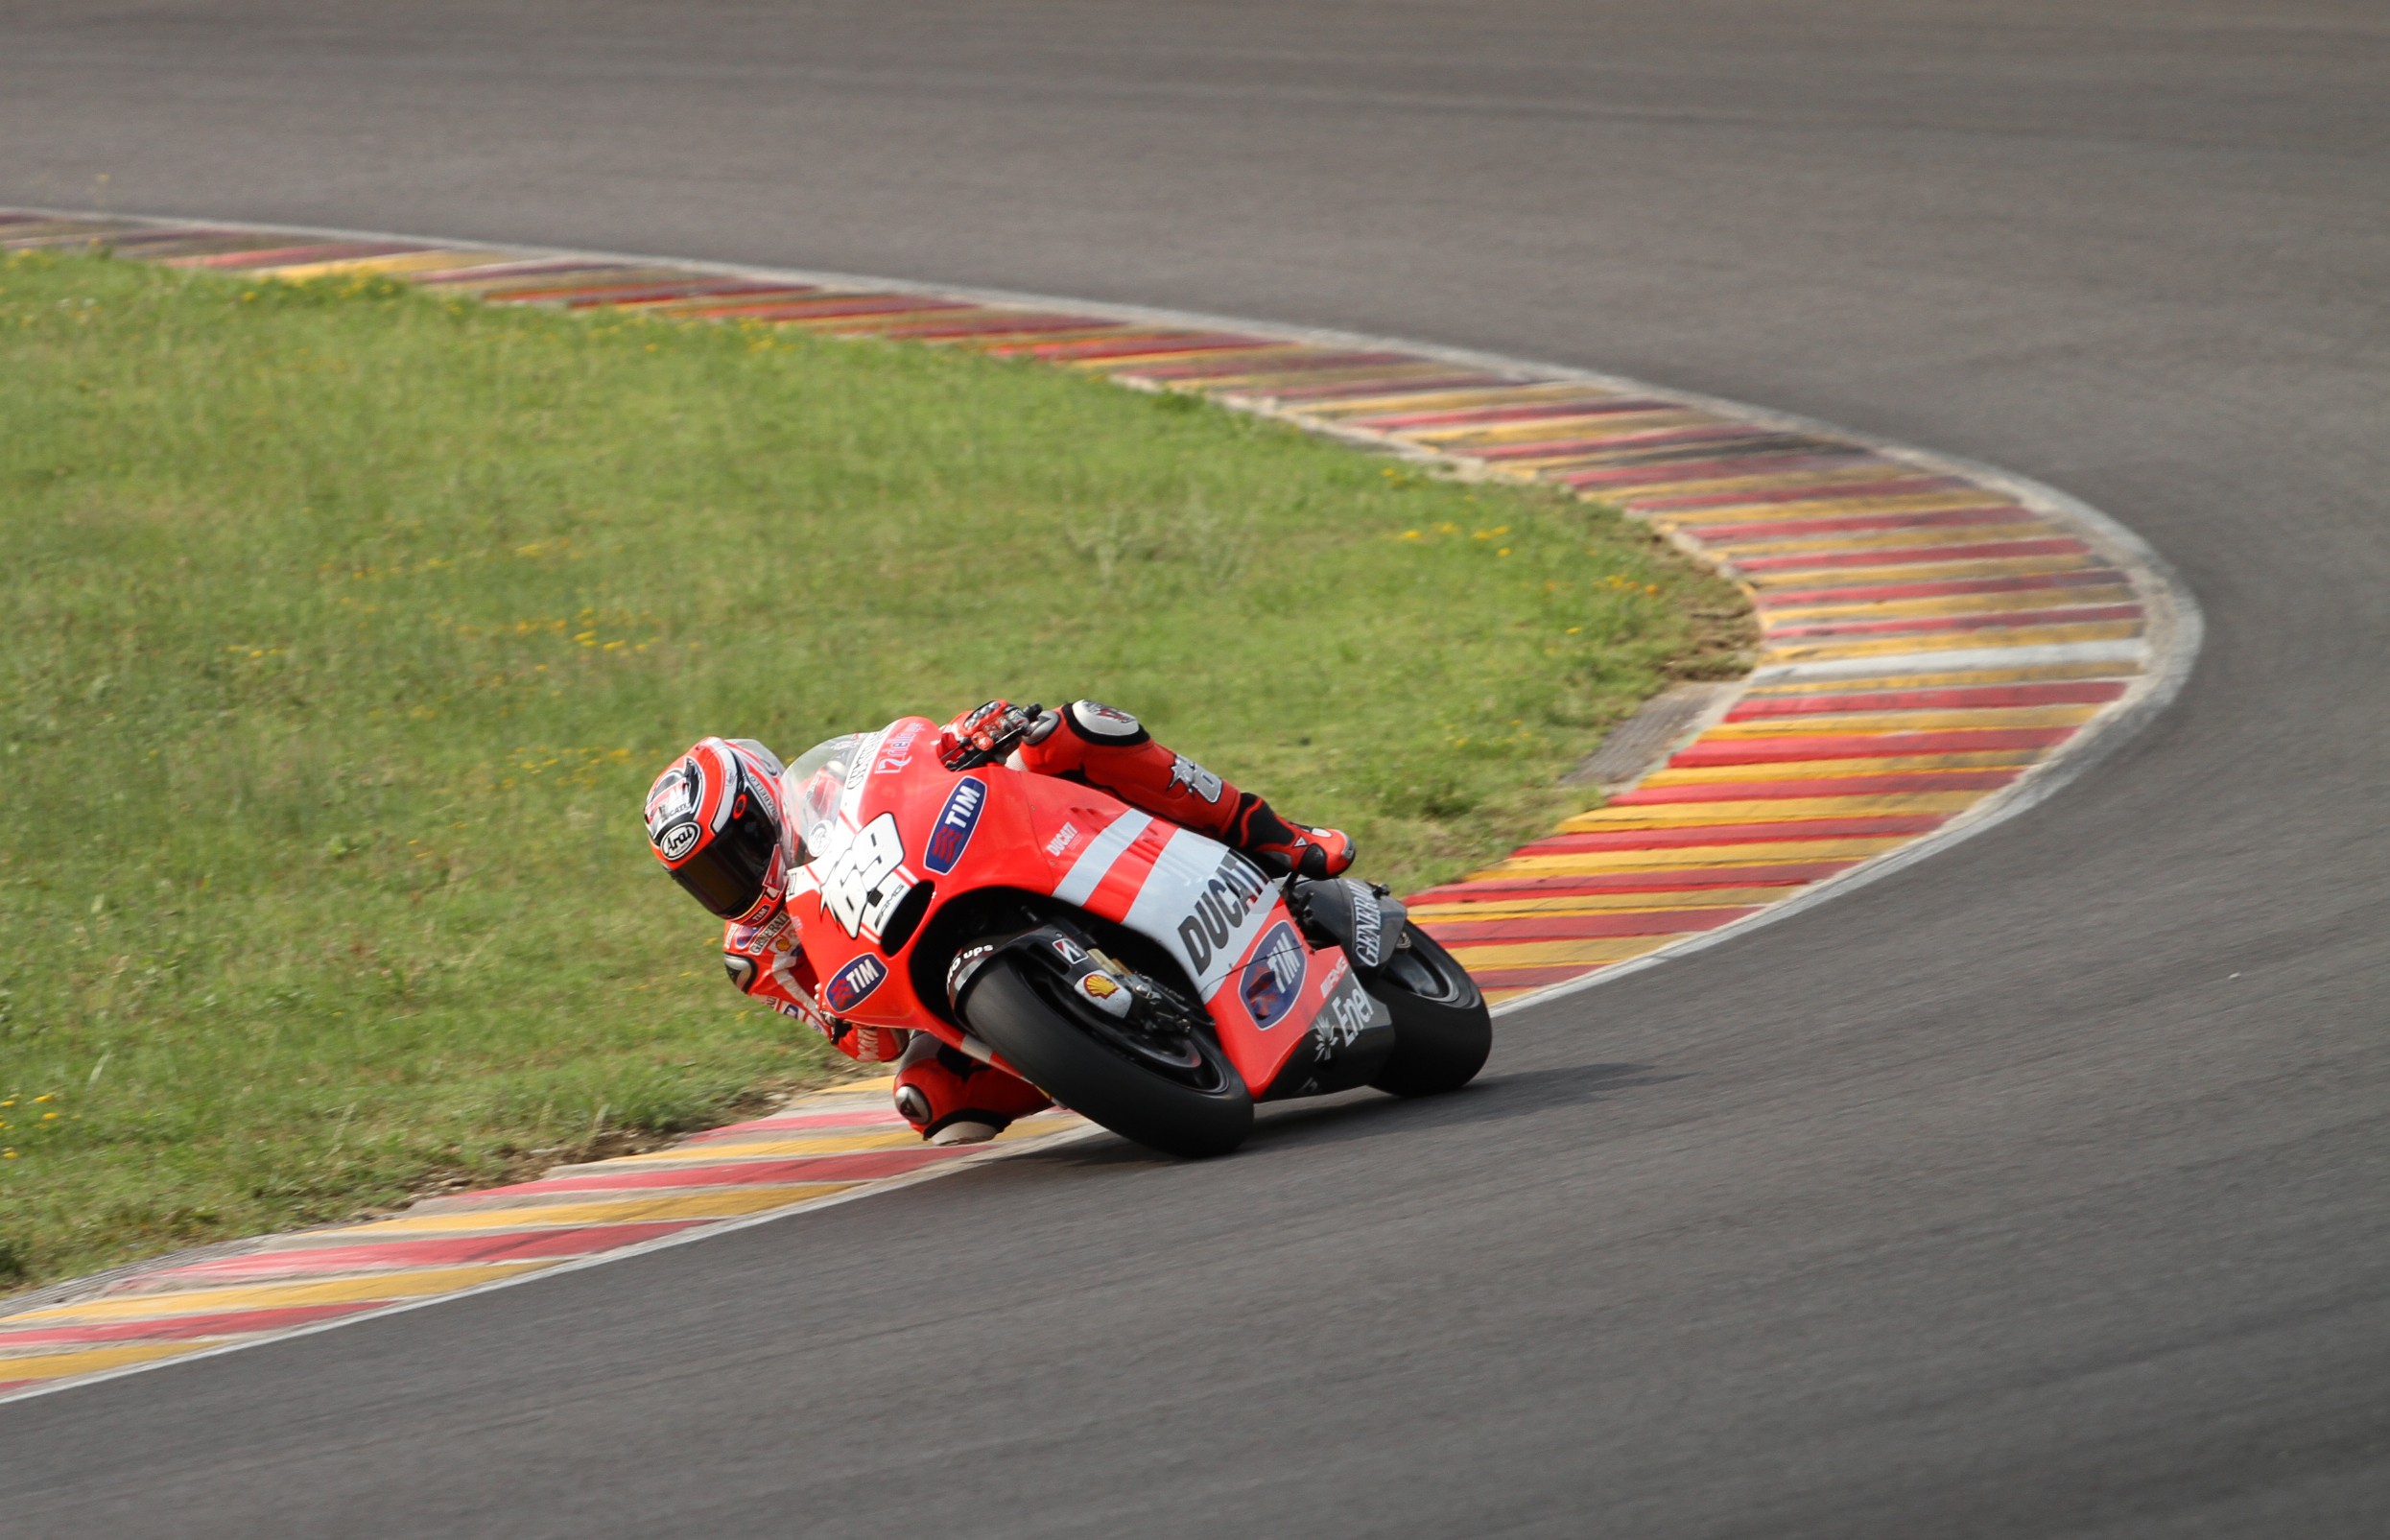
1070, 1060
1442, 1029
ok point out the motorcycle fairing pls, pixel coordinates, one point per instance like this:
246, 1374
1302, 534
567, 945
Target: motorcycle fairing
861, 851
1223, 921
1208, 904
1351, 1034
874, 814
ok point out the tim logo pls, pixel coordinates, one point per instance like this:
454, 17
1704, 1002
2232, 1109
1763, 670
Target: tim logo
1274, 978
850, 985
955, 823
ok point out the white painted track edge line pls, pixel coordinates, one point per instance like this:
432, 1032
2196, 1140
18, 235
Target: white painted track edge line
2177, 629
702, 1231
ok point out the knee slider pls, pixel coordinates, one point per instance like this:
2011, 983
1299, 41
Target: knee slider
1100, 724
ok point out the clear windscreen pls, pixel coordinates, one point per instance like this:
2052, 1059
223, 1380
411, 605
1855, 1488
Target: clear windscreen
813, 784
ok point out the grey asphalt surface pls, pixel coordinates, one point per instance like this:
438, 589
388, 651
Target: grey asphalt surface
2042, 1190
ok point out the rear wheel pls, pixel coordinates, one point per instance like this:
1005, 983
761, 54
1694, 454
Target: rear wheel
1163, 1084
1442, 1029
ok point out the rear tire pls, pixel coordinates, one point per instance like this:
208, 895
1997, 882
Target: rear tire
1442, 1029
1207, 1112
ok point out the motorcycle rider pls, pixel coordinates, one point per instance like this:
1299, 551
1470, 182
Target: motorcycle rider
720, 820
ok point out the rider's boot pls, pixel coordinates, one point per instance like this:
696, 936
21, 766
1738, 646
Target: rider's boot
1109, 749
1280, 847
952, 1099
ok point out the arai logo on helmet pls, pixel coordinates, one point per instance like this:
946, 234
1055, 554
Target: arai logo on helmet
1274, 978
955, 823
672, 798
848, 987
677, 841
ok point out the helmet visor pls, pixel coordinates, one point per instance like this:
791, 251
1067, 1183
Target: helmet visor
726, 874
719, 880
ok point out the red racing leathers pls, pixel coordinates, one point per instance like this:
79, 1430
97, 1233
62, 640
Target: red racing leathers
944, 1093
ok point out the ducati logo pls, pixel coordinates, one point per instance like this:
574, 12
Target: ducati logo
1221, 912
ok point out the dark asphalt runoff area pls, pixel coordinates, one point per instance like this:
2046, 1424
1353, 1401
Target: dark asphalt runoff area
2043, 1189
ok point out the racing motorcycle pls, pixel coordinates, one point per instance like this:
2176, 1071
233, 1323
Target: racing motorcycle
1147, 978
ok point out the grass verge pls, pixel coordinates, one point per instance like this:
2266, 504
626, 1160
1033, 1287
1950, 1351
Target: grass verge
346, 627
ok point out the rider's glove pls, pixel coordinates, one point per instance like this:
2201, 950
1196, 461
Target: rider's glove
985, 734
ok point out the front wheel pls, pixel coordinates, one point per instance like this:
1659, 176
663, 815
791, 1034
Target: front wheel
1442, 1029
1174, 1091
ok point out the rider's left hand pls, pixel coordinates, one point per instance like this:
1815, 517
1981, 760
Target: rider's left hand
984, 733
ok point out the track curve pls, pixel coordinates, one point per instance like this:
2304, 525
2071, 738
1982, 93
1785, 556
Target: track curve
2035, 1188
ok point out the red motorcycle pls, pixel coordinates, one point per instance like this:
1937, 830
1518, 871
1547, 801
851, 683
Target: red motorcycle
1144, 976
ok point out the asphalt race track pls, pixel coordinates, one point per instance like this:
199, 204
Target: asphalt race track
2038, 1190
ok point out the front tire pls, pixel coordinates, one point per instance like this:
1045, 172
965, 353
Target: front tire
1442, 1028
1186, 1101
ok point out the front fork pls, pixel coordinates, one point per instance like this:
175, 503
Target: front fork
1064, 951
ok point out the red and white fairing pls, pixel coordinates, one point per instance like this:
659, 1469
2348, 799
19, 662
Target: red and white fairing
887, 816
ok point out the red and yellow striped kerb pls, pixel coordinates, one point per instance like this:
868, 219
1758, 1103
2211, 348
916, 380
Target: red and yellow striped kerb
819, 1149
1938, 638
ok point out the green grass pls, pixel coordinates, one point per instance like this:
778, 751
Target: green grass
345, 627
